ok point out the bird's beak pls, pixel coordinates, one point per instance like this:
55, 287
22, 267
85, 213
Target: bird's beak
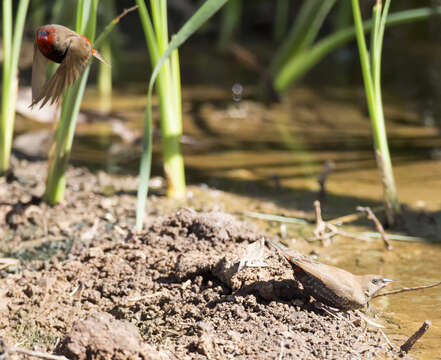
387, 281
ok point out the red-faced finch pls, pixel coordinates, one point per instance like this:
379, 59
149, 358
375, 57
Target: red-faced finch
71, 50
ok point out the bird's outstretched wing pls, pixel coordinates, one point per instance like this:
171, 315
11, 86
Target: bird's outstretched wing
77, 57
38, 73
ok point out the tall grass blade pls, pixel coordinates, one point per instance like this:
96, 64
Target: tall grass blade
11, 52
371, 70
281, 18
208, 9
231, 15
300, 27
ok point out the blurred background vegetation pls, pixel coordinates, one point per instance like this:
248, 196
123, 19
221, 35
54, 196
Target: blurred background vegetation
237, 57
255, 25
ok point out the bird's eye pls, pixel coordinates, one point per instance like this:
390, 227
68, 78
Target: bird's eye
374, 281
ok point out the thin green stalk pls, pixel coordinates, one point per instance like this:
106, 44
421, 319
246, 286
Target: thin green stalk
208, 9
295, 36
371, 69
5, 143
343, 17
171, 125
281, 18
230, 20
11, 52
168, 88
176, 72
105, 76
296, 66
364, 56
7, 36
315, 25
379, 46
111, 25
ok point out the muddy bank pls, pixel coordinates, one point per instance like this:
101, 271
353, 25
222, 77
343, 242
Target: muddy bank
175, 286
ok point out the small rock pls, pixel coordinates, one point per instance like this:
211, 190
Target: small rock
102, 337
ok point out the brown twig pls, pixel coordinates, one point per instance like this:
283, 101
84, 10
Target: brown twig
371, 216
325, 230
246, 58
124, 13
415, 337
39, 354
348, 234
6, 262
399, 291
387, 339
352, 217
5, 350
328, 167
322, 231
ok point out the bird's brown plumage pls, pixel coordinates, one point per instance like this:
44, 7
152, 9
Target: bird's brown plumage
60, 44
331, 285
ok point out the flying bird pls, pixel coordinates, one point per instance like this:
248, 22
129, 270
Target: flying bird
71, 50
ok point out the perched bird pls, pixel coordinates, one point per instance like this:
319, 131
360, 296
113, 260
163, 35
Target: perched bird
331, 285
66, 47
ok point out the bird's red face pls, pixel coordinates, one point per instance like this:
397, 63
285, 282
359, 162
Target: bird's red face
46, 42
66, 47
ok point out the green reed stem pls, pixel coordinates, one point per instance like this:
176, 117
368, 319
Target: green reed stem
231, 15
169, 94
207, 10
281, 18
371, 70
104, 77
11, 52
295, 36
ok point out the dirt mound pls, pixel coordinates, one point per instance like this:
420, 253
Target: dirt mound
177, 283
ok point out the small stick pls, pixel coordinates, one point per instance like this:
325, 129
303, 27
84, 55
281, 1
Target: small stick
320, 229
399, 291
246, 57
415, 337
352, 217
10, 349
348, 234
328, 167
112, 24
39, 354
387, 339
371, 216
124, 13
